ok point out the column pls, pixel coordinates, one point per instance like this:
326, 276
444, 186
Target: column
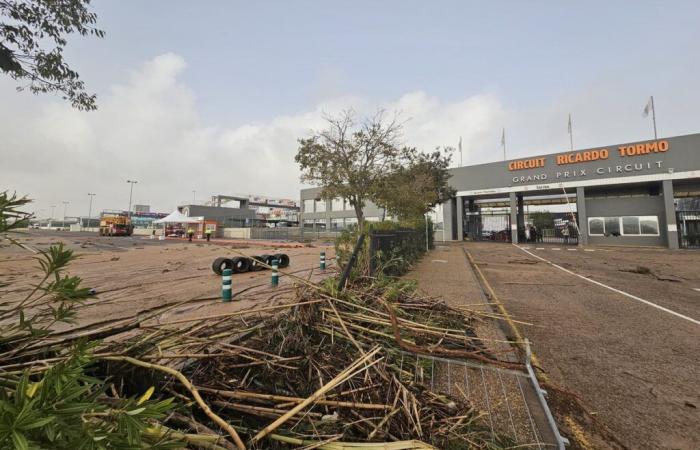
581, 216
513, 218
460, 218
521, 216
449, 210
671, 231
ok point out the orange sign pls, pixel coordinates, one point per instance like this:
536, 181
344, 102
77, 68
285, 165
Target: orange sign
526, 164
589, 155
643, 149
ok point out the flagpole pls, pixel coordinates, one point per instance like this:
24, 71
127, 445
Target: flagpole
571, 133
653, 117
460, 151
503, 141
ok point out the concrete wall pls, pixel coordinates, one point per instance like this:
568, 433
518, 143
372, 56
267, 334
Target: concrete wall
627, 206
220, 214
235, 233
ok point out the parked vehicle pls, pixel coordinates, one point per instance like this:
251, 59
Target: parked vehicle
116, 225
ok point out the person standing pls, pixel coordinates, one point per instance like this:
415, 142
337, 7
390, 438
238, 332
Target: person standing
528, 233
565, 234
190, 233
208, 234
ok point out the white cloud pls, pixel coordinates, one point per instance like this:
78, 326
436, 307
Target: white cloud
148, 129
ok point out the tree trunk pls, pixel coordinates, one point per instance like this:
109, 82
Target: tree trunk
360, 216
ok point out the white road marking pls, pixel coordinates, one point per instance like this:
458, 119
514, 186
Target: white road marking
588, 250
633, 297
539, 248
439, 260
696, 289
572, 249
556, 248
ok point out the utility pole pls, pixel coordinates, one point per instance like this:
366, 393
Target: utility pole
53, 210
653, 117
131, 191
90, 210
194, 197
65, 204
460, 151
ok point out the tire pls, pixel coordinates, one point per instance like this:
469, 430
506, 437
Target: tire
220, 264
241, 265
282, 260
267, 259
255, 265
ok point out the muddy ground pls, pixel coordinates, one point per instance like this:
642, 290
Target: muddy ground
136, 277
634, 367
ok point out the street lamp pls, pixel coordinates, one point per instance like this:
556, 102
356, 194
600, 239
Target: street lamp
65, 205
53, 209
131, 191
194, 197
90, 210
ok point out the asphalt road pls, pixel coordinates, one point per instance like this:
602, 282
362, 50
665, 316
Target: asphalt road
635, 366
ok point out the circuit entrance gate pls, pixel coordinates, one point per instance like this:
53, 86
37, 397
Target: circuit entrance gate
688, 223
485, 226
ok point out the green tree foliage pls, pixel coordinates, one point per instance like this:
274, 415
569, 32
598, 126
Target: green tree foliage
542, 219
348, 159
33, 36
55, 402
416, 185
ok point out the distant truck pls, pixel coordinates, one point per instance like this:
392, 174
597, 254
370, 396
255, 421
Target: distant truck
116, 226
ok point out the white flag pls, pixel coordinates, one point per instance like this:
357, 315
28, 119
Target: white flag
647, 108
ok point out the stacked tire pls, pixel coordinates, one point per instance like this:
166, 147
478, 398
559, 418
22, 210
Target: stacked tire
241, 264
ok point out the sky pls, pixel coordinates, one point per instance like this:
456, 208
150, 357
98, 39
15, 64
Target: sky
212, 96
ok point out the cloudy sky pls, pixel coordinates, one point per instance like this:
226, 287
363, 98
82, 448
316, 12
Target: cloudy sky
212, 96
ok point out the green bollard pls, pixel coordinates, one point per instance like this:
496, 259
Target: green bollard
323, 261
275, 274
226, 293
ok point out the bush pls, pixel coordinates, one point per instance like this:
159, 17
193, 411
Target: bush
389, 247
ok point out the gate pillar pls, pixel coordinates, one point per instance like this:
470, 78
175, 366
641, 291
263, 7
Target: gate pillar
671, 231
513, 218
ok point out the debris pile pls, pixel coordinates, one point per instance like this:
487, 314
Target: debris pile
329, 372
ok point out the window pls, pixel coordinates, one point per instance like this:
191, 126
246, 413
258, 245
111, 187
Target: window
309, 205
309, 223
649, 225
630, 225
372, 219
320, 206
348, 206
338, 204
595, 226
351, 222
337, 224
612, 226
623, 226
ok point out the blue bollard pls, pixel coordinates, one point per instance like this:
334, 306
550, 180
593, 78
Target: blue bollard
226, 293
323, 261
275, 274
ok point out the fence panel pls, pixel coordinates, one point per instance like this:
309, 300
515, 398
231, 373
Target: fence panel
688, 223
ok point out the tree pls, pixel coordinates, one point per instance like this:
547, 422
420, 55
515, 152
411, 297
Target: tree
26, 27
348, 159
416, 184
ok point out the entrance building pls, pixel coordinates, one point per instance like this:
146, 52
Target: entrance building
641, 193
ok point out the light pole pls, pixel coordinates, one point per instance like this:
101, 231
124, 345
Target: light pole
90, 210
53, 209
194, 197
65, 205
131, 191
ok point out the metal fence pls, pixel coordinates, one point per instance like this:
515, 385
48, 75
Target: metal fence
292, 234
512, 402
688, 223
385, 246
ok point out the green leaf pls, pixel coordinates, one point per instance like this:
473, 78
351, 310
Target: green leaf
19, 441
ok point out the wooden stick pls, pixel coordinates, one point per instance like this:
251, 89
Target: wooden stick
183, 379
341, 377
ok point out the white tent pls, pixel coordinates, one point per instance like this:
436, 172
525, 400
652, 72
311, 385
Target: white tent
177, 217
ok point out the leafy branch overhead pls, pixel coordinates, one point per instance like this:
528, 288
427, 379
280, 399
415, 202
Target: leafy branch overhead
364, 161
33, 37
